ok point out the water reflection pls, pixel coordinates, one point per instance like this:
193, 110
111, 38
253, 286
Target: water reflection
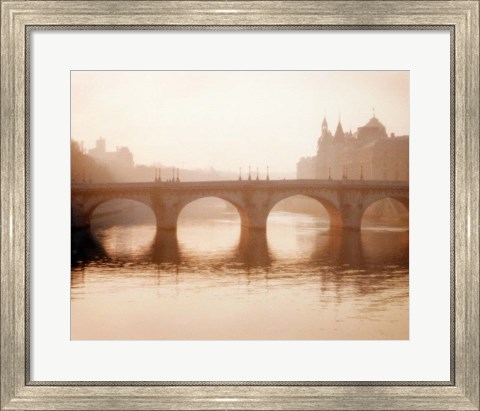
337, 248
253, 249
85, 248
165, 248
297, 281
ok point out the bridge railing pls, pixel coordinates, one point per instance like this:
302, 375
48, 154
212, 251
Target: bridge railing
243, 183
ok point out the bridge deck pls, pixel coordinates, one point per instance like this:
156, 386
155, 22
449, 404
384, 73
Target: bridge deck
229, 184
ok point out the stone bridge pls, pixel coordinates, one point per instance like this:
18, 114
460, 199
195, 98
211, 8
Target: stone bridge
344, 200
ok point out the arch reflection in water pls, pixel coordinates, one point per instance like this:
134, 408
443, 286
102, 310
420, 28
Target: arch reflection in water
308, 283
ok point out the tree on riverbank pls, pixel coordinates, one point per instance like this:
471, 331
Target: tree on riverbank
84, 169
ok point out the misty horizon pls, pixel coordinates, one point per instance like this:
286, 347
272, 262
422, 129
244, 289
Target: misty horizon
167, 168
227, 120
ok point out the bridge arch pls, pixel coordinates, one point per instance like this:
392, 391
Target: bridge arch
82, 211
240, 210
345, 202
385, 209
331, 209
126, 227
94, 208
209, 223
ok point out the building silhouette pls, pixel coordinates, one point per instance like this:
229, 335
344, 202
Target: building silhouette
369, 153
120, 162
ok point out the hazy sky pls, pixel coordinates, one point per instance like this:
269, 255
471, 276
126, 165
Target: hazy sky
230, 119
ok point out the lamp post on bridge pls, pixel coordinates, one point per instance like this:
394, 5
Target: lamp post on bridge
158, 175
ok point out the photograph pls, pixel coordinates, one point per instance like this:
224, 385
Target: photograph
239, 205
216, 205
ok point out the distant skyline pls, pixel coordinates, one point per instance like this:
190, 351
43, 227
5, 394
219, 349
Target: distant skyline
230, 119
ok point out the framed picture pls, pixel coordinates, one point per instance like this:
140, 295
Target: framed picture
239, 205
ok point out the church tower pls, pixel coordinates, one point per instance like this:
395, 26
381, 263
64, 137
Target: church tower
324, 126
339, 136
326, 135
323, 151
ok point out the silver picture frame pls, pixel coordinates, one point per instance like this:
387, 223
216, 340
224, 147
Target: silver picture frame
20, 18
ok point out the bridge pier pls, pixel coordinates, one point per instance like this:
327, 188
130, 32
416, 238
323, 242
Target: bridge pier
79, 218
351, 216
255, 220
348, 218
166, 216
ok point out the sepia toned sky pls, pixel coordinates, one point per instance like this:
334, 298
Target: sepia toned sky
230, 119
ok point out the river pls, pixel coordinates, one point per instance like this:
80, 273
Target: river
212, 281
